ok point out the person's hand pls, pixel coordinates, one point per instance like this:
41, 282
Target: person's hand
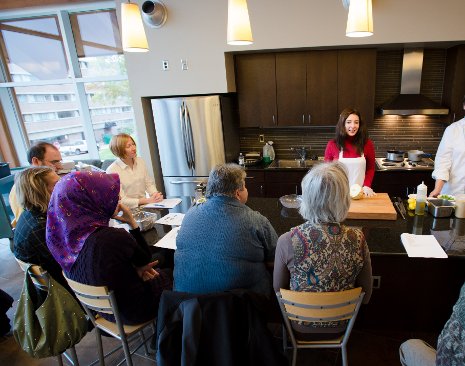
126, 217
147, 272
434, 193
368, 192
154, 198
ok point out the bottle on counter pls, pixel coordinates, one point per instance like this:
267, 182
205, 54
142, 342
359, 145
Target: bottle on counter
241, 160
271, 150
266, 153
420, 206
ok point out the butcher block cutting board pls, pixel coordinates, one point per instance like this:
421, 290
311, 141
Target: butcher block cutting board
378, 207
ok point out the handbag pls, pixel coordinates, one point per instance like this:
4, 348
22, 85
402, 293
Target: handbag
48, 320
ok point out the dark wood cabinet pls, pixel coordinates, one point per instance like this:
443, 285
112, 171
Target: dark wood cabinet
356, 71
322, 88
454, 82
397, 183
255, 182
306, 87
256, 89
280, 183
298, 89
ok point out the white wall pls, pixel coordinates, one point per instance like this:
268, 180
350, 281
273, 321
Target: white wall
196, 31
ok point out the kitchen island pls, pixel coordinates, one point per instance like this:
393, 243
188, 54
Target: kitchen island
410, 293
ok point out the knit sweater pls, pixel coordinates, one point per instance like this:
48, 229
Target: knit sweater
223, 245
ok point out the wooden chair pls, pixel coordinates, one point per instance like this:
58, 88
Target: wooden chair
319, 307
37, 276
99, 299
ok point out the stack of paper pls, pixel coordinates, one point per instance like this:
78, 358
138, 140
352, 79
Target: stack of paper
173, 219
166, 203
169, 240
425, 246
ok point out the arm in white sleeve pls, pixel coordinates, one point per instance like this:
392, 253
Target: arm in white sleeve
443, 160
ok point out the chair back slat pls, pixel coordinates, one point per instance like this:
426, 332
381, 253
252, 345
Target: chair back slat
37, 273
320, 306
94, 297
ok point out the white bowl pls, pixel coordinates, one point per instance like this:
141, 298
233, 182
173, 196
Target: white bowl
290, 200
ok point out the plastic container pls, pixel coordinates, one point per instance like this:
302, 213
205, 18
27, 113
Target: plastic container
420, 206
241, 160
271, 150
266, 153
460, 206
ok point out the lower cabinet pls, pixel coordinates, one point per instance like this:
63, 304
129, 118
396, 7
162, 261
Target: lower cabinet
397, 183
280, 183
255, 182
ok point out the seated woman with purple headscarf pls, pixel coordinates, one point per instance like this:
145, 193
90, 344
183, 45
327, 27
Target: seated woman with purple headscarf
91, 252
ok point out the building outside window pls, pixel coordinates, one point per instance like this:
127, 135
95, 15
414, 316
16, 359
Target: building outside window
64, 80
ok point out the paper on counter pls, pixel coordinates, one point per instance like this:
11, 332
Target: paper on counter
166, 203
174, 219
169, 240
425, 246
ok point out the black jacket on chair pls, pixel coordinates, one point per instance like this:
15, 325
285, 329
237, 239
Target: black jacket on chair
226, 328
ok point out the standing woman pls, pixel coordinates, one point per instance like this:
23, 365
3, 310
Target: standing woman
354, 149
133, 174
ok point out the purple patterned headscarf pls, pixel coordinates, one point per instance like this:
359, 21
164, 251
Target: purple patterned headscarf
81, 202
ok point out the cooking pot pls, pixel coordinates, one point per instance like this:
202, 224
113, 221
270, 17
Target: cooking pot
395, 155
416, 155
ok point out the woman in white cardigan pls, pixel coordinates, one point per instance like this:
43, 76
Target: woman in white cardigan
137, 187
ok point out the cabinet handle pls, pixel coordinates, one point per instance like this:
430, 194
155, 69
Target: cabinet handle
274, 122
261, 189
296, 190
309, 118
303, 119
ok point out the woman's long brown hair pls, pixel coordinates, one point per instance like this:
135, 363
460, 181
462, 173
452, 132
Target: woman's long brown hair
360, 138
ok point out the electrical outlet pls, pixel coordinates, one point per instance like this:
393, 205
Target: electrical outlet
376, 281
184, 65
261, 138
165, 65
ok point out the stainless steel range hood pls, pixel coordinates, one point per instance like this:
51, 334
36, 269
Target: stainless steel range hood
410, 101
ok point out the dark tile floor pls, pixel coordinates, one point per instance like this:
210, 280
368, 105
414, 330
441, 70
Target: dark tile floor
366, 347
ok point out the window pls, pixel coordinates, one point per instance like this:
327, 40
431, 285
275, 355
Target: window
62, 95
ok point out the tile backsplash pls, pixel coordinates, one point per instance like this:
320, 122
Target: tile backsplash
388, 132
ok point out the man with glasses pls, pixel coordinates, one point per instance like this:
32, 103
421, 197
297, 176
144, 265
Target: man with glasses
40, 154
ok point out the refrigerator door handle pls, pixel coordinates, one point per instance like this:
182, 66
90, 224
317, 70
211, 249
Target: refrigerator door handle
190, 138
187, 181
183, 130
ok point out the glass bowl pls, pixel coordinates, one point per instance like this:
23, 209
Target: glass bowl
290, 200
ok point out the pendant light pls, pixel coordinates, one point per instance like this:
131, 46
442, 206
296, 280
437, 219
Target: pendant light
132, 29
239, 31
360, 19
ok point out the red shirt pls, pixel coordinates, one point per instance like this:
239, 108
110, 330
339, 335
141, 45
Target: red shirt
350, 151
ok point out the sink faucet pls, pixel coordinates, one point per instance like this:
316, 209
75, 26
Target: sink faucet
301, 151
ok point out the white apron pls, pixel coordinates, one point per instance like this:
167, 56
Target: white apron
356, 168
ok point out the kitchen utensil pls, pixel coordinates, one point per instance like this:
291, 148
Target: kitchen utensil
417, 155
395, 155
397, 205
440, 207
402, 207
290, 201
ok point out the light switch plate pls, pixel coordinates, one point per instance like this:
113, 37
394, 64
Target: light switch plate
165, 65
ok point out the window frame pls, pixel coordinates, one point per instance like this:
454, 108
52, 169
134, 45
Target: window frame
9, 102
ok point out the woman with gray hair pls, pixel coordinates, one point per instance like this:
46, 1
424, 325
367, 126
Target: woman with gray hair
223, 244
323, 255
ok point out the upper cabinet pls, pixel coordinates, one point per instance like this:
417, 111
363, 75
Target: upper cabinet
454, 82
300, 89
256, 89
356, 70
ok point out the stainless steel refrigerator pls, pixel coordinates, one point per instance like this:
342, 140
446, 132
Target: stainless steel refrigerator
193, 135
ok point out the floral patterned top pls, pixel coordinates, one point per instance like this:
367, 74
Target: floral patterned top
323, 258
451, 341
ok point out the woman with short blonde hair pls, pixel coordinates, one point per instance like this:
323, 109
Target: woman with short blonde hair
137, 187
322, 254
